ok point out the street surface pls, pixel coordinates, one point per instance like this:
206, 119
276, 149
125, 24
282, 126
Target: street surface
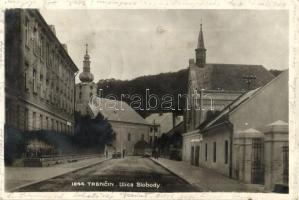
134, 174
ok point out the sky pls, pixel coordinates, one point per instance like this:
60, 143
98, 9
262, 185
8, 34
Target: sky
125, 44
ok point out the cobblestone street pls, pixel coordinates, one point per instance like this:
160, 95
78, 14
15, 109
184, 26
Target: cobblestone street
128, 174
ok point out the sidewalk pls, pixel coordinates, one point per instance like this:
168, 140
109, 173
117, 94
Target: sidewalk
17, 177
206, 179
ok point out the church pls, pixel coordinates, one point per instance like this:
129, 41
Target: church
213, 89
86, 88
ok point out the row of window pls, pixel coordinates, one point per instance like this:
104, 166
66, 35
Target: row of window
20, 119
49, 93
46, 123
59, 79
51, 81
195, 153
36, 39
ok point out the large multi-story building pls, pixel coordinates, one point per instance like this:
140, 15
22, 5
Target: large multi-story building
39, 75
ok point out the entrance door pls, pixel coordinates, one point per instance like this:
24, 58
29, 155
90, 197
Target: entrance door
197, 156
192, 155
257, 161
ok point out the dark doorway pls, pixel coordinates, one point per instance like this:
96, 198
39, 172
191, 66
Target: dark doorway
192, 155
197, 156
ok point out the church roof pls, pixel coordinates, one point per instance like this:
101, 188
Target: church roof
120, 111
228, 76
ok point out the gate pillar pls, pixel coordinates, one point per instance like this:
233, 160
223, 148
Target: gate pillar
247, 150
276, 154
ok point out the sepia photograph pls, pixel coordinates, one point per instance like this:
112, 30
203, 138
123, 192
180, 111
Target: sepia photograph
146, 100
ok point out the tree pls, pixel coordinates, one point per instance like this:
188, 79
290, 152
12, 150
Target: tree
93, 133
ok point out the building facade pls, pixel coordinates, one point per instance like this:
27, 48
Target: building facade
248, 140
211, 88
132, 132
87, 88
229, 113
39, 75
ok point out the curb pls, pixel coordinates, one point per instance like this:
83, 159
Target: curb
178, 175
41, 180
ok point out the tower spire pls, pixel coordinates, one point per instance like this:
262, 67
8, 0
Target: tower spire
200, 51
86, 76
200, 43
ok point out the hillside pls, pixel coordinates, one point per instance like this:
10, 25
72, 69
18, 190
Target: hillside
172, 83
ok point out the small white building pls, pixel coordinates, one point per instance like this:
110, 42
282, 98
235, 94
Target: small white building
131, 130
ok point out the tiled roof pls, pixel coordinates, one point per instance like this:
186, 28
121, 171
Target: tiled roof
120, 111
228, 76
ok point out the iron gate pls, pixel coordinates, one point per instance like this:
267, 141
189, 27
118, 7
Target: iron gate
285, 157
257, 161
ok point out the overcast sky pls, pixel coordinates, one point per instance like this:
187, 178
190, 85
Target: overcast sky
125, 44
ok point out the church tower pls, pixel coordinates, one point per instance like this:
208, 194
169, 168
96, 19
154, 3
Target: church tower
86, 76
86, 89
200, 51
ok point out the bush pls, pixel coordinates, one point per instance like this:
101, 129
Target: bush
14, 144
61, 142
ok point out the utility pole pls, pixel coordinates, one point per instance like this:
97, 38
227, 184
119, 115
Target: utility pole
154, 133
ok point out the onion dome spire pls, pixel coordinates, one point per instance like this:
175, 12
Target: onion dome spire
86, 76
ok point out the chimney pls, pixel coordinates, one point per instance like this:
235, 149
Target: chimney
65, 47
52, 27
